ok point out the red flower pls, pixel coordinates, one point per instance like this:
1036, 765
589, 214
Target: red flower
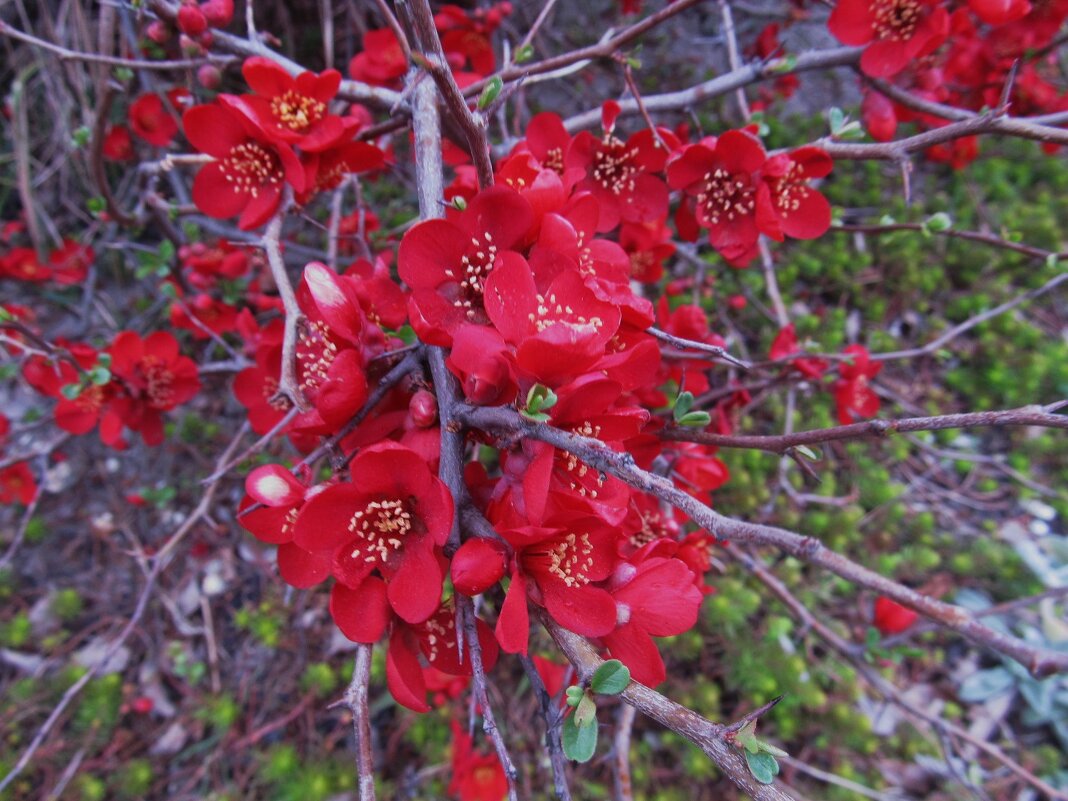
897, 32
155, 379
621, 174
999, 12
485, 366
22, 264
250, 168
17, 484
852, 392
785, 345
152, 120
382, 61
557, 334
560, 565
721, 176
294, 110
786, 204
891, 617
446, 262
648, 245
879, 116
475, 776
435, 639
655, 597
118, 144
70, 262
389, 518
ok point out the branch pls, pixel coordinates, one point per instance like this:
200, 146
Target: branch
473, 123
553, 717
708, 736
288, 382
1023, 416
356, 701
1039, 661
703, 347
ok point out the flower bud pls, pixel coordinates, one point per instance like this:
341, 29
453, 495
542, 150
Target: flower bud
219, 13
423, 407
209, 76
891, 617
159, 32
191, 20
477, 566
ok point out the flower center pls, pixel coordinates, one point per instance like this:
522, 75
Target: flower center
271, 396
726, 196
474, 267
789, 190
614, 167
554, 160
896, 19
316, 351
297, 112
569, 559
160, 385
379, 528
249, 166
436, 634
551, 312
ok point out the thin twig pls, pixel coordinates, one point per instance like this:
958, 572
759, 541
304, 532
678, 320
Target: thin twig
288, 382
356, 701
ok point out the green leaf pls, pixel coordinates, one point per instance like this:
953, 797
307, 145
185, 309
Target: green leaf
811, 454
579, 741
586, 711
683, 404
539, 399
490, 93
695, 419
836, 117
524, 53
746, 738
938, 222
785, 64
100, 375
459, 203
71, 391
574, 694
95, 205
774, 750
763, 766
611, 678
81, 136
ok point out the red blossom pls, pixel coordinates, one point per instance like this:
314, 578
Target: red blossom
852, 392
891, 617
896, 32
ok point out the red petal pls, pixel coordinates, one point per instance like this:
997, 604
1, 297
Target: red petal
415, 591
513, 623
300, 568
589, 611
273, 485
214, 130
404, 676
636, 649
361, 614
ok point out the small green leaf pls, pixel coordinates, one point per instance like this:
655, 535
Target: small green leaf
611, 678
71, 391
100, 375
95, 205
836, 118
124, 74
459, 203
579, 741
574, 694
785, 64
81, 136
938, 222
775, 751
539, 399
586, 711
683, 404
1051, 260
812, 454
524, 53
695, 419
763, 766
490, 93
746, 738
104, 359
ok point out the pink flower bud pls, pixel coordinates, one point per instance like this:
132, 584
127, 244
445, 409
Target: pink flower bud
423, 407
218, 12
477, 566
159, 32
209, 76
191, 20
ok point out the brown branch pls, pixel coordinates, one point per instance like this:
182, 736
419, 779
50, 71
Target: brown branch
356, 701
1039, 661
553, 717
473, 123
971, 236
288, 382
724, 84
489, 722
782, 443
691, 344
621, 747
708, 736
